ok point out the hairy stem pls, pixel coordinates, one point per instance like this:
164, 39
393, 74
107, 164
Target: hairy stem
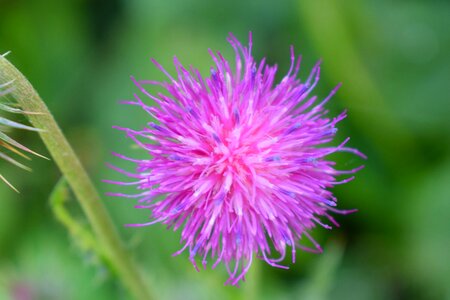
76, 176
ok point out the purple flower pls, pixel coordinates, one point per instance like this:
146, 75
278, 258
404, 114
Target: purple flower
237, 161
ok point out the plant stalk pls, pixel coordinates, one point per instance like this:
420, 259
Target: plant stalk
77, 178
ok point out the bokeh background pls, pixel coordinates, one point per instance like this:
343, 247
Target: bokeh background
393, 59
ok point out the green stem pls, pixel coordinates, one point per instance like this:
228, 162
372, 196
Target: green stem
76, 176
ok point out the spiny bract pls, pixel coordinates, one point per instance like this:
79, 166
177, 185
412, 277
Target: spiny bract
8, 106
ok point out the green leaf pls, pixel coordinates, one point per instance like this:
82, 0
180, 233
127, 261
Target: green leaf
80, 234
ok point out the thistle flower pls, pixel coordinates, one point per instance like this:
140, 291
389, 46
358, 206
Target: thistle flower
6, 142
237, 161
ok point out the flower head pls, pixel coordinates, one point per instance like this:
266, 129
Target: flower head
240, 161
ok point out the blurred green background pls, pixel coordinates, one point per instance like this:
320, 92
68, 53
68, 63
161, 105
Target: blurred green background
393, 59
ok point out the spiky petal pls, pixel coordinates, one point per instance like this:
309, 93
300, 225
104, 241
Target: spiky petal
240, 162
